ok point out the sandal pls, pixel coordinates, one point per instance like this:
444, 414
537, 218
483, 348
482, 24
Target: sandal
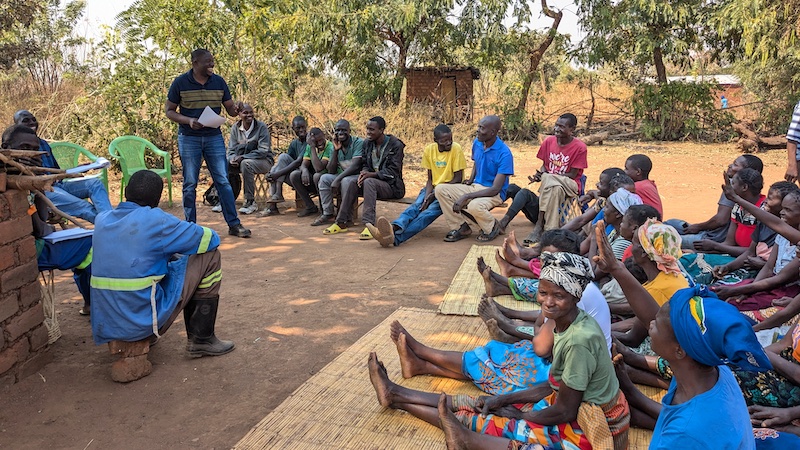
334, 229
85, 311
484, 237
455, 236
365, 235
323, 220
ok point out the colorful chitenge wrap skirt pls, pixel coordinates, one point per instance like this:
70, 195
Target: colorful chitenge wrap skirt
524, 289
769, 388
763, 299
598, 422
700, 267
500, 368
760, 315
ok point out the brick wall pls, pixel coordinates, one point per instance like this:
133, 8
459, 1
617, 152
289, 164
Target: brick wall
23, 336
424, 85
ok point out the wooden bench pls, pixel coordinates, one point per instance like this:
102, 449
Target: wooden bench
132, 363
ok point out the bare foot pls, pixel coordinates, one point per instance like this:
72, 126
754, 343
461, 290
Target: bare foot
499, 335
396, 329
410, 364
490, 285
454, 431
507, 312
502, 264
510, 249
380, 380
487, 309
481, 264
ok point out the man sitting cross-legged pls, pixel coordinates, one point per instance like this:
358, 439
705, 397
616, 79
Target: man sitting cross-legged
563, 161
287, 163
143, 276
483, 190
445, 162
315, 164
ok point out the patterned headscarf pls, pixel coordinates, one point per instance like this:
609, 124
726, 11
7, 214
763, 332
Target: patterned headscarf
662, 244
713, 332
622, 200
569, 271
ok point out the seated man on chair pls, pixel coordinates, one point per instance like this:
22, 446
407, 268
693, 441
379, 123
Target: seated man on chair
149, 266
343, 170
563, 161
249, 153
315, 164
74, 254
381, 176
287, 163
69, 195
445, 163
485, 189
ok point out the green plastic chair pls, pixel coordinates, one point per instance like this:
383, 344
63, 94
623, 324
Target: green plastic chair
68, 155
130, 151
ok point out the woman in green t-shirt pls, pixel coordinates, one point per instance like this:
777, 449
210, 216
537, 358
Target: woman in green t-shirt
581, 379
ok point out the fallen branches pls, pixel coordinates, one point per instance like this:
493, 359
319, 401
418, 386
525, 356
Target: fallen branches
750, 142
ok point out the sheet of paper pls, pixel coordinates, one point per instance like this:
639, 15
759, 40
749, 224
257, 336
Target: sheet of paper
210, 119
68, 234
100, 163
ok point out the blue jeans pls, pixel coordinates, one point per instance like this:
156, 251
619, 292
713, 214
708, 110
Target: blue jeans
193, 150
70, 197
412, 220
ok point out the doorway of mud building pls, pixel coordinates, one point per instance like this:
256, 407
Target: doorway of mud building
448, 94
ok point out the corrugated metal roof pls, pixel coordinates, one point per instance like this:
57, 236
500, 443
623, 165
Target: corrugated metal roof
725, 80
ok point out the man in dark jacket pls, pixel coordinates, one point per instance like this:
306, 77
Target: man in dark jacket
382, 174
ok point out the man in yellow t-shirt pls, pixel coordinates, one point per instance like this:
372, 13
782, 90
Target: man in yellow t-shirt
445, 162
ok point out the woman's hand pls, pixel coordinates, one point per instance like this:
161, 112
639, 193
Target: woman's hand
765, 416
720, 271
605, 259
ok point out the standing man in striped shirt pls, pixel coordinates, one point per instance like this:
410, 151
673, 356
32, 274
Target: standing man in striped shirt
792, 140
193, 91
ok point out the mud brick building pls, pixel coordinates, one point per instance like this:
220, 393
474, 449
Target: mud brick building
448, 88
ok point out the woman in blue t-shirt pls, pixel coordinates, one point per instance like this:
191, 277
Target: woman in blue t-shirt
697, 334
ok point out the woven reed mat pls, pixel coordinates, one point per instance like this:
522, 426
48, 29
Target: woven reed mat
467, 287
337, 407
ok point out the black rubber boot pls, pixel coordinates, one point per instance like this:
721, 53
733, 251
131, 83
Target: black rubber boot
188, 311
200, 329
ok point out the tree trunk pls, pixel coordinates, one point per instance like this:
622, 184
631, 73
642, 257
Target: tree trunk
400, 73
658, 61
590, 118
537, 54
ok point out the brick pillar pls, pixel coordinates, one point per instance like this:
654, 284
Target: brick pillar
23, 336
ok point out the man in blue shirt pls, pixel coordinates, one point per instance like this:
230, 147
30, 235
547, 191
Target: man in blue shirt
69, 195
484, 190
150, 266
193, 91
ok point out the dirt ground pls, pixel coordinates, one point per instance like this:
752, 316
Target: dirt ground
292, 300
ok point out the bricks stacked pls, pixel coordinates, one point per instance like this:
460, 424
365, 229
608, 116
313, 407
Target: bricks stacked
23, 336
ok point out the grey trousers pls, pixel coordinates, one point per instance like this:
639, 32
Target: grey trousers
326, 196
374, 189
284, 159
249, 168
